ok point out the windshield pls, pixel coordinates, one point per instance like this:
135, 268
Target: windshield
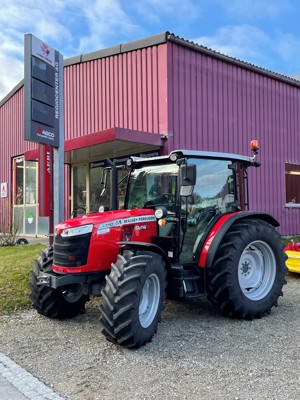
104, 198
152, 185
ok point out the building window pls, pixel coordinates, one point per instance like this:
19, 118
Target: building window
19, 181
31, 182
25, 199
292, 184
79, 189
25, 181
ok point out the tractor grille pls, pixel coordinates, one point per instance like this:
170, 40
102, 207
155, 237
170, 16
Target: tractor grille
71, 251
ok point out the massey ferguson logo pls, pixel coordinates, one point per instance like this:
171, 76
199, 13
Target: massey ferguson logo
46, 134
45, 49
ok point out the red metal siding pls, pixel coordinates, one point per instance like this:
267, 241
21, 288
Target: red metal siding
117, 91
11, 144
218, 106
12, 134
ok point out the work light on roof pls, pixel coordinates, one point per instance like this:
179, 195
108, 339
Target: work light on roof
174, 157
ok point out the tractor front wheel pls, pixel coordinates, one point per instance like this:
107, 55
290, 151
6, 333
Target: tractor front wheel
63, 302
133, 298
248, 272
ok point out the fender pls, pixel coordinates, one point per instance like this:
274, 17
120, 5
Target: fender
219, 230
146, 246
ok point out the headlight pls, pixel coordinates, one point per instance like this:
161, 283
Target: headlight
78, 230
161, 212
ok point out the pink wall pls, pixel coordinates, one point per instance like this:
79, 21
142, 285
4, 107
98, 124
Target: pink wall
218, 106
11, 135
127, 90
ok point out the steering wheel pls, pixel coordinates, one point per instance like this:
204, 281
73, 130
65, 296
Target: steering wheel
79, 211
170, 198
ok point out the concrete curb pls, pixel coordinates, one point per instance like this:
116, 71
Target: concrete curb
22, 381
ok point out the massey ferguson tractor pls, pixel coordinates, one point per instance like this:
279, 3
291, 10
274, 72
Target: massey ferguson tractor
183, 230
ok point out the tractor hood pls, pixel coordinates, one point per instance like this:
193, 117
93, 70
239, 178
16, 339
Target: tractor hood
108, 219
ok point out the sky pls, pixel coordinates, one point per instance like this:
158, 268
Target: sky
262, 32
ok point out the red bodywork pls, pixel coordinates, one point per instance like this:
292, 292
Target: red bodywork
138, 225
211, 236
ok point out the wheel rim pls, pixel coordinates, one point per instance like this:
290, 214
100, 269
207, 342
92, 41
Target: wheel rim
71, 293
257, 270
149, 300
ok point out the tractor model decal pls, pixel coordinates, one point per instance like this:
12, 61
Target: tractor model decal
103, 228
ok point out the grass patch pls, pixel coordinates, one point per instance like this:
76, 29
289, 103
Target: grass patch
15, 265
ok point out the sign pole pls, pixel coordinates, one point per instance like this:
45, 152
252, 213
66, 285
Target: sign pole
51, 213
44, 120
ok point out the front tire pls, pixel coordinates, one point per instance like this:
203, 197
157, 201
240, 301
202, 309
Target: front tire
133, 298
248, 273
63, 302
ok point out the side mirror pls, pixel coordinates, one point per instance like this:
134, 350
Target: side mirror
188, 175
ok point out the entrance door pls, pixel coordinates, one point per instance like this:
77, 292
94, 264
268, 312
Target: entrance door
25, 202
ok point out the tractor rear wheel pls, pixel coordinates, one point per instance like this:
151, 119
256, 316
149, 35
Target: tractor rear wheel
133, 298
248, 272
63, 302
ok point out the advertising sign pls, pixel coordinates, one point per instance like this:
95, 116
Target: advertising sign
41, 92
4, 189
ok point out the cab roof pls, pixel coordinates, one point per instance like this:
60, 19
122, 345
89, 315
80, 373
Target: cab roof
199, 154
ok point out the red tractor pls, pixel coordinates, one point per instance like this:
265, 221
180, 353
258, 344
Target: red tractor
183, 231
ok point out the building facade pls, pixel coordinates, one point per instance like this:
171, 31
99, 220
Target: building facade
152, 96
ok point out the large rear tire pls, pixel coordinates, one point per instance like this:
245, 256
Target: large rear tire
248, 272
64, 302
133, 299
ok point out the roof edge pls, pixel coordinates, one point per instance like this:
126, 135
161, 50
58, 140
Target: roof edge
119, 49
171, 37
12, 92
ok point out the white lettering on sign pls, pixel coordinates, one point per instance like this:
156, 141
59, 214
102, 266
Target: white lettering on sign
48, 162
56, 92
42, 133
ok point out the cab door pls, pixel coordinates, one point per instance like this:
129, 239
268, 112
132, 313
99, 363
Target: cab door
212, 196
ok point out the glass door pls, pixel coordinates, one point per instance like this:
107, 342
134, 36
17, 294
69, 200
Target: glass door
25, 209
95, 188
79, 191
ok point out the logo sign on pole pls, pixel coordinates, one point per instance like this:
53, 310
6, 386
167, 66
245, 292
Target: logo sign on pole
41, 92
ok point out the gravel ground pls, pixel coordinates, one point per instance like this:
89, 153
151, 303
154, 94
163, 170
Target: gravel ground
196, 354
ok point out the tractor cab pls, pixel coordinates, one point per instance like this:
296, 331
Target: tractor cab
188, 192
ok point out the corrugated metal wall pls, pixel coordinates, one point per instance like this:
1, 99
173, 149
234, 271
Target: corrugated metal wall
12, 134
11, 144
218, 106
127, 90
